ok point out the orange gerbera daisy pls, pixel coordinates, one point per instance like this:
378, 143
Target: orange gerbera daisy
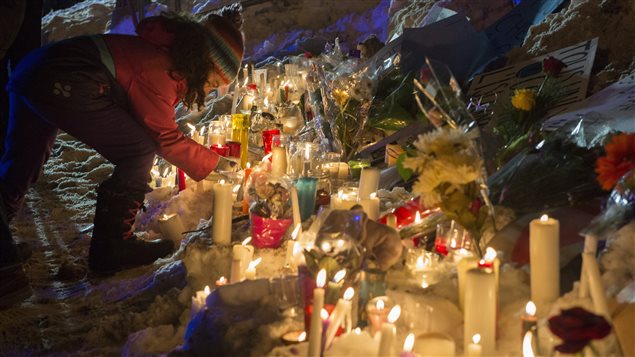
619, 159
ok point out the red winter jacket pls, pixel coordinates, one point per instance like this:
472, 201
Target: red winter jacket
142, 66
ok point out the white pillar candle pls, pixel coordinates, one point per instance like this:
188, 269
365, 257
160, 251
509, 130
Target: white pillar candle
462, 267
474, 348
295, 206
315, 334
171, 227
236, 272
278, 161
480, 309
596, 288
222, 220
388, 332
544, 258
368, 182
371, 206
590, 246
434, 344
341, 311
245, 253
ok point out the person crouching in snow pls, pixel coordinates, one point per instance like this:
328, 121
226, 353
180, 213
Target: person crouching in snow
117, 93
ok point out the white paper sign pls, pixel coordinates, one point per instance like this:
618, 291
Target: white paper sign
574, 78
616, 102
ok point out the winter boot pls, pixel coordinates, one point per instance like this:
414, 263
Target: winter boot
113, 246
14, 286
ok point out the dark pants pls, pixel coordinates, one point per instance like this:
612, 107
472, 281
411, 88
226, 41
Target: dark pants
65, 86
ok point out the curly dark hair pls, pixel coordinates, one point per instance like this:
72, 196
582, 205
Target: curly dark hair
191, 55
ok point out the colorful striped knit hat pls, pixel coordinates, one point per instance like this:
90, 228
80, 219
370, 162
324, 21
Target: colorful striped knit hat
227, 46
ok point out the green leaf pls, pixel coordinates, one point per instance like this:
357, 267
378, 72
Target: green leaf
405, 173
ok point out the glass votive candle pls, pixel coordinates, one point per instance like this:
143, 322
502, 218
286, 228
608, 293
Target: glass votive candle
267, 139
377, 311
226, 119
222, 150
217, 134
304, 159
279, 155
344, 199
444, 232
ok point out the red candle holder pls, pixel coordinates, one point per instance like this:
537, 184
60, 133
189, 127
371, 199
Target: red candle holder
234, 148
222, 150
267, 139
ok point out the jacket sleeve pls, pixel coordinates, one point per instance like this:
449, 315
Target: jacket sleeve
149, 96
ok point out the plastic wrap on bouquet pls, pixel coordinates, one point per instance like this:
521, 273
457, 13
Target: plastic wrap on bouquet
557, 172
269, 207
620, 208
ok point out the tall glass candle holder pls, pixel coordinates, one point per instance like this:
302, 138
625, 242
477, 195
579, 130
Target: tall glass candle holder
307, 190
279, 155
305, 159
372, 285
217, 134
267, 139
240, 133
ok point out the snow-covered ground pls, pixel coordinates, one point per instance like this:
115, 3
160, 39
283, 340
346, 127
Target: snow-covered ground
146, 310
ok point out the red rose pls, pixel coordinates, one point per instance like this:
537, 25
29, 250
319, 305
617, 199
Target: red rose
552, 66
577, 327
475, 207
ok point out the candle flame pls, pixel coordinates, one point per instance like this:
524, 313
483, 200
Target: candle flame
373, 195
321, 278
236, 188
246, 241
297, 248
266, 158
326, 247
417, 217
424, 284
528, 351
394, 313
349, 293
307, 152
254, 263
207, 290
202, 131
544, 218
222, 182
421, 263
222, 280
409, 343
380, 305
248, 165
324, 314
266, 102
490, 254
296, 231
192, 127
476, 338
530, 308
339, 276
302, 336
357, 331
453, 243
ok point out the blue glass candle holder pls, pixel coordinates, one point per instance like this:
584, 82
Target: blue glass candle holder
307, 189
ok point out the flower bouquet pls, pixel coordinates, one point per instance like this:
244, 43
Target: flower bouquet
518, 115
269, 208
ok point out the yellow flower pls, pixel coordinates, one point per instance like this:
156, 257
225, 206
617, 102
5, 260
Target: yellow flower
524, 99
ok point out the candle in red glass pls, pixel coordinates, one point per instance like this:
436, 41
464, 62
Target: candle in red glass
234, 148
181, 180
222, 150
267, 139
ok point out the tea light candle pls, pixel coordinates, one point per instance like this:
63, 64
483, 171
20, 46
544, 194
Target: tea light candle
315, 333
198, 301
221, 281
544, 257
368, 182
250, 273
342, 310
388, 332
222, 221
371, 206
171, 227
408, 345
480, 309
528, 318
474, 348
294, 337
